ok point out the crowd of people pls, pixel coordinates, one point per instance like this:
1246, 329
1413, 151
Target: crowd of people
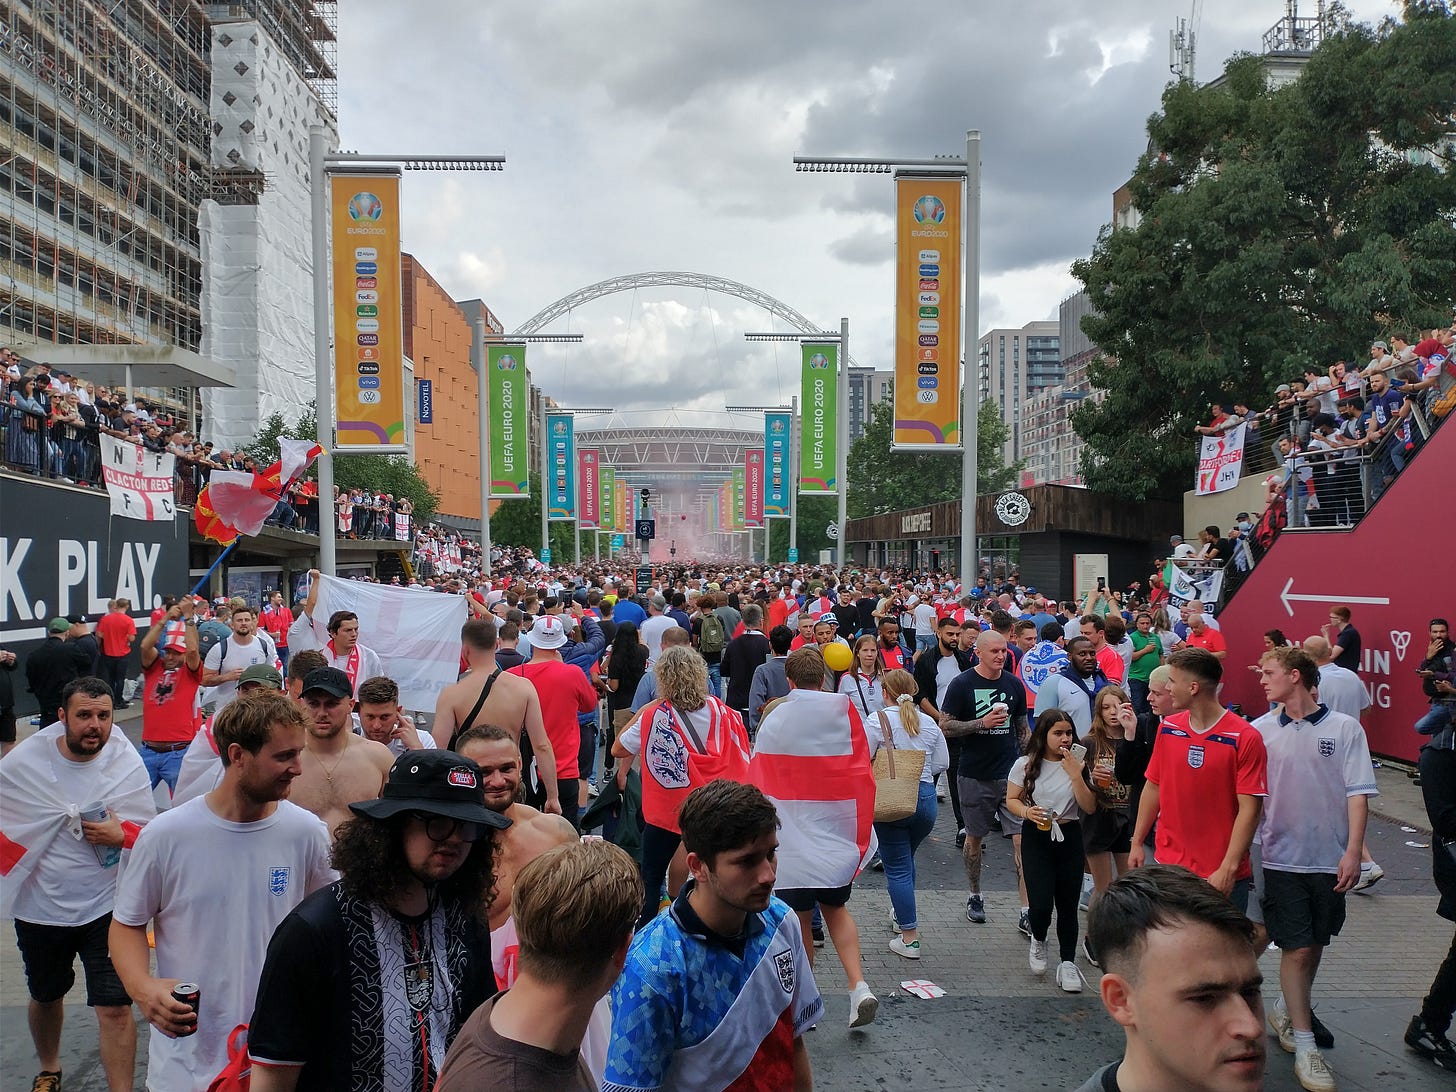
724, 741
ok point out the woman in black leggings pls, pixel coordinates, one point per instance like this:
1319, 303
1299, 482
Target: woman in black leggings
1048, 789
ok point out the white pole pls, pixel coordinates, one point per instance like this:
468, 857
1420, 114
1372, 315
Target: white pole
970, 350
545, 477
841, 470
322, 364
793, 474
482, 400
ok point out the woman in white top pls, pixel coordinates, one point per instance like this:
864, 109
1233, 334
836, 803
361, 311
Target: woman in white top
1163, 628
1047, 789
901, 727
863, 681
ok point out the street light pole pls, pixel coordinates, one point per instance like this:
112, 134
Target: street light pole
482, 382
970, 346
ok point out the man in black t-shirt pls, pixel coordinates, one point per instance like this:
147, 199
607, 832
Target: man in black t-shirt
368, 981
985, 707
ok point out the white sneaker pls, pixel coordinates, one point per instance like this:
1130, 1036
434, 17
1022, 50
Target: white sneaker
1281, 1027
862, 1006
1313, 1072
1069, 978
1037, 957
1369, 877
908, 951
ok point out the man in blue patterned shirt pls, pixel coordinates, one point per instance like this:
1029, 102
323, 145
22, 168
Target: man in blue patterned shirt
717, 992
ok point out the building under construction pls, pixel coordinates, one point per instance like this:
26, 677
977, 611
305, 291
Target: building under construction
148, 148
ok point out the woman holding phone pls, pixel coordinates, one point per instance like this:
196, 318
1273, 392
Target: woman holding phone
1046, 788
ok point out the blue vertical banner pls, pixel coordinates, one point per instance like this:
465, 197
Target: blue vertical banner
561, 448
425, 389
776, 483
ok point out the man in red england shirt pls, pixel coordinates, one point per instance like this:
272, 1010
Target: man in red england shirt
116, 632
275, 620
170, 681
1109, 660
1206, 781
564, 692
1202, 635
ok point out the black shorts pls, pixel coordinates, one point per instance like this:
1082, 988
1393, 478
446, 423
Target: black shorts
1302, 909
802, 899
49, 953
1107, 830
7, 724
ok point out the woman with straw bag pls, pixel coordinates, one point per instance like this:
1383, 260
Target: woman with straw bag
911, 745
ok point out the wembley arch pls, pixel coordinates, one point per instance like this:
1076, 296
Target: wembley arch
669, 278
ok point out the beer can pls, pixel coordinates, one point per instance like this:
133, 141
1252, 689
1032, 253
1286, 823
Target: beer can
190, 994
106, 856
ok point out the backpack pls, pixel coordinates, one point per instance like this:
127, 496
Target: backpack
710, 635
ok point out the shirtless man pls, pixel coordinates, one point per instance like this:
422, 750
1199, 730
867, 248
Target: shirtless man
512, 703
530, 834
339, 768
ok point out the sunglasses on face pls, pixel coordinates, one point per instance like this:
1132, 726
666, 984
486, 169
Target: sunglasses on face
441, 828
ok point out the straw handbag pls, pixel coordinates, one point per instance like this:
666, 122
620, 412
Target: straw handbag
897, 778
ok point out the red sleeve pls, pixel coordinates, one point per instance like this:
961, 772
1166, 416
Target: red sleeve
1218, 644
1154, 770
1253, 764
129, 832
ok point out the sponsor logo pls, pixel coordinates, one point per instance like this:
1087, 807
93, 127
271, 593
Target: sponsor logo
928, 339
928, 210
505, 363
461, 778
366, 282
928, 326
1326, 747
366, 269
366, 310
1195, 756
365, 206
369, 382
366, 297
819, 361
368, 339
928, 297
367, 326
930, 312
929, 354
925, 383
930, 270
369, 398
365, 254
928, 369
368, 368
927, 398
930, 255
368, 354
929, 284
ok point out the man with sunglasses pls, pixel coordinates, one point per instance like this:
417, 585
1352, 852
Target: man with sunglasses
368, 981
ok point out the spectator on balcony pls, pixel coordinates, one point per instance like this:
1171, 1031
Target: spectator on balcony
24, 429
1380, 359
1320, 394
1221, 421
1389, 436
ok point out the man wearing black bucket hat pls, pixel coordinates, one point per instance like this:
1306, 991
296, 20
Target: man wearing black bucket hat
367, 982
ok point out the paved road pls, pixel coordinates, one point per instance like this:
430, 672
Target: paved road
998, 1027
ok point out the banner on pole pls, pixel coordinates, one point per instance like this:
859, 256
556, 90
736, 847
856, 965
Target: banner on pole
590, 512
753, 488
561, 456
369, 391
928, 281
607, 491
138, 482
819, 434
623, 523
509, 410
740, 497
1220, 461
401, 527
776, 456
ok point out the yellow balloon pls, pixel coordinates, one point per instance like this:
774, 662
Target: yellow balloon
838, 657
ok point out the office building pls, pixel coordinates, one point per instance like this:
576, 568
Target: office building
868, 387
1013, 365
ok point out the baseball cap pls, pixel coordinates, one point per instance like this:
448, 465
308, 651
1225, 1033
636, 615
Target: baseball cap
176, 641
547, 633
659, 603
435, 782
1380, 345
328, 679
268, 675
59, 625
78, 619
828, 616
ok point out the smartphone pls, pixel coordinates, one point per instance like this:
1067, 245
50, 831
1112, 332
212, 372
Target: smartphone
1078, 751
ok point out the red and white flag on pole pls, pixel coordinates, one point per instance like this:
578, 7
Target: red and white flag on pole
812, 760
238, 502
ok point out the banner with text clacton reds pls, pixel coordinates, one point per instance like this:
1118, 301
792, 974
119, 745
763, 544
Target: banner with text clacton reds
369, 394
928, 279
819, 432
509, 410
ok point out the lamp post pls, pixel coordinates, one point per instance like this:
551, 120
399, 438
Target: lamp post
321, 162
970, 167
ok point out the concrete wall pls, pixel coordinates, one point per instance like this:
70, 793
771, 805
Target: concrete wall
1221, 508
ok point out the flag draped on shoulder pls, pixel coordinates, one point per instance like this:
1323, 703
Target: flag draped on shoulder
812, 759
239, 502
33, 813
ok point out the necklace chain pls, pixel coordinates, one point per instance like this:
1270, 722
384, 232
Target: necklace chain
328, 773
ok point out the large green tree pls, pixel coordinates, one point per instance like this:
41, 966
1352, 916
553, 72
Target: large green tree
1280, 227
882, 480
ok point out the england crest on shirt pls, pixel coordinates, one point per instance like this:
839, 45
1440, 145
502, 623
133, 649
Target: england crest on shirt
1326, 746
278, 881
1195, 756
784, 964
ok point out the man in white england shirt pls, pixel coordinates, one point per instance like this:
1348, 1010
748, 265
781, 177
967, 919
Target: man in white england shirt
229, 658
215, 876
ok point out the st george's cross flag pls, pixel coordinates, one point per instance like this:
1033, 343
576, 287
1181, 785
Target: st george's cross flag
812, 760
239, 501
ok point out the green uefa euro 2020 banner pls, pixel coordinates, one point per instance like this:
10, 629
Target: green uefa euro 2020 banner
820, 401
509, 411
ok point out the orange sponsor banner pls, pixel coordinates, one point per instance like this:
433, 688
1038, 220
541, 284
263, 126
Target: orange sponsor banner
928, 280
369, 396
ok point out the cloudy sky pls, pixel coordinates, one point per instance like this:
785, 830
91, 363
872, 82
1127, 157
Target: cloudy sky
644, 135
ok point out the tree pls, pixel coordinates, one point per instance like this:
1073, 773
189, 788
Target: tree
1281, 227
517, 522
393, 474
881, 480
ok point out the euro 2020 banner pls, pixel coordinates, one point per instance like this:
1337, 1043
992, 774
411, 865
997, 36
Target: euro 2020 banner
509, 410
818, 435
776, 486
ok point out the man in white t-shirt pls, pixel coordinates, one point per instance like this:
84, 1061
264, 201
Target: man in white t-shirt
925, 620
657, 622
229, 658
215, 876
1310, 833
382, 719
1339, 688
61, 888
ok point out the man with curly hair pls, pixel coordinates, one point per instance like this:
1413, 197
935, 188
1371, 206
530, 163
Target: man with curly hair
369, 980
